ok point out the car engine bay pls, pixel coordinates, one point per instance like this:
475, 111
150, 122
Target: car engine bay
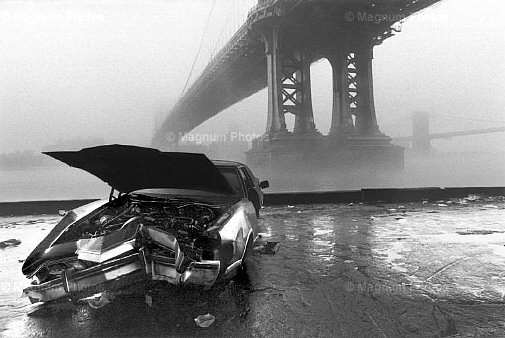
178, 217
186, 220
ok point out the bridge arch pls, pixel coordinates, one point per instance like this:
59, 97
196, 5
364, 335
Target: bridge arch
322, 91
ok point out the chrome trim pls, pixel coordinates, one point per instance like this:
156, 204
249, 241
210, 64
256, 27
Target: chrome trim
247, 242
100, 257
64, 277
164, 272
84, 280
201, 273
233, 266
88, 282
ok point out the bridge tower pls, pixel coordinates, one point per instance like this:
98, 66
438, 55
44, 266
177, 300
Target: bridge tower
421, 142
274, 48
355, 140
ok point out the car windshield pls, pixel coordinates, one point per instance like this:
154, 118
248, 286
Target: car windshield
231, 175
181, 194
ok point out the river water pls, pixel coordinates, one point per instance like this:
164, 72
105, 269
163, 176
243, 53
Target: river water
438, 170
413, 270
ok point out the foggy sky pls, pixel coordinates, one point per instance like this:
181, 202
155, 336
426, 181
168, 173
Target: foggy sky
110, 69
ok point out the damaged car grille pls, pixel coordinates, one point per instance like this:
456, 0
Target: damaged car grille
172, 234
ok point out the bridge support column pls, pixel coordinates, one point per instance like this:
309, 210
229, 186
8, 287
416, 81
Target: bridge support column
363, 103
353, 94
289, 86
276, 122
302, 103
341, 117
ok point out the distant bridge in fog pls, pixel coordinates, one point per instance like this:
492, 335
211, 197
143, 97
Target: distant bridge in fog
451, 134
421, 136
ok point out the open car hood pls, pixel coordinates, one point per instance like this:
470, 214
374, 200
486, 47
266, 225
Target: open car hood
130, 168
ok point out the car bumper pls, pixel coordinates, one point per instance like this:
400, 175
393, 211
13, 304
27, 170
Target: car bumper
118, 273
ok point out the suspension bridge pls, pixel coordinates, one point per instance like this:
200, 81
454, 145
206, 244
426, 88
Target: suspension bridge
274, 47
420, 140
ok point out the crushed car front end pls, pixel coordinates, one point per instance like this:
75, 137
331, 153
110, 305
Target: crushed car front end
139, 238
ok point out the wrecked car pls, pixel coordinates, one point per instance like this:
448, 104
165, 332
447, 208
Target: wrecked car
173, 218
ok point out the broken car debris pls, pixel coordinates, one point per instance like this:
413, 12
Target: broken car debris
9, 242
205, 320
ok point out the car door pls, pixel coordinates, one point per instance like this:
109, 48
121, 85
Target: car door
250, 188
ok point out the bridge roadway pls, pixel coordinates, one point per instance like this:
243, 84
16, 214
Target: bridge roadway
240, 68
385, 270
451, 134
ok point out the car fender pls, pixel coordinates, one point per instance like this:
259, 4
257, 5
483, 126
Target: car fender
238, 230
44, 247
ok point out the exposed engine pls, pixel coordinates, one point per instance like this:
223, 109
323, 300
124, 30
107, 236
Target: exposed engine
184, 219
180, 218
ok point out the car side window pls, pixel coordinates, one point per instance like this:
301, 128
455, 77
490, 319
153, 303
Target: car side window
246, 178
230, 174
253, 178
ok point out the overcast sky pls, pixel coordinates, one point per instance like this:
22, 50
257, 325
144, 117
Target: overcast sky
107, 69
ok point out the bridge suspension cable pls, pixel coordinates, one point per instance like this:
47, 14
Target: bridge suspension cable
219, 28
221, 34
202, 39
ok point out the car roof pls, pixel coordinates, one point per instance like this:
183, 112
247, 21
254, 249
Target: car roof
225, 163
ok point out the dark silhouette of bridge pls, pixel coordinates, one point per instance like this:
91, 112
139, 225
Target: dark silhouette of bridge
274, 48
